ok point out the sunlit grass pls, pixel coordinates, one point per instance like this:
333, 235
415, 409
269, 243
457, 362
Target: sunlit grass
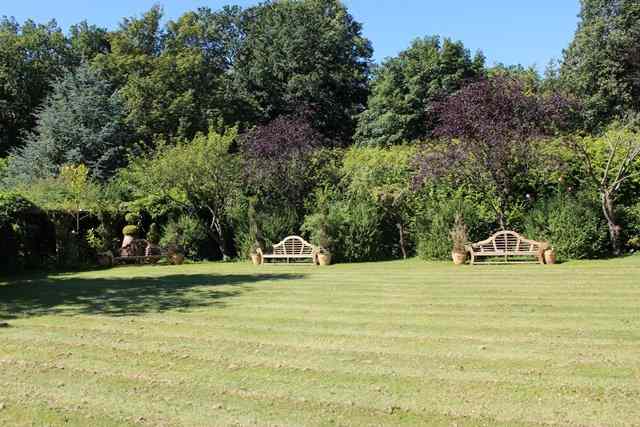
363, 344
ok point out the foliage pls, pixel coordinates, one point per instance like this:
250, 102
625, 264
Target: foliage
601, 65
132, 218
435, 215
277, 158
310, 53
153, 235
31, 57
98, 238
80, 122
610, 163
459, 234
404, 89
200, 175
319, 225
254, 228
488, 129
528, 76
571, 224
130, 230
172, 79
353, 224
23, 232
11, 206
187, 234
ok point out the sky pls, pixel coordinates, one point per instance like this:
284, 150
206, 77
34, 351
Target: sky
507, 31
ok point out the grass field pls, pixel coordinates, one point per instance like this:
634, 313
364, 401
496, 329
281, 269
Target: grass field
369, 344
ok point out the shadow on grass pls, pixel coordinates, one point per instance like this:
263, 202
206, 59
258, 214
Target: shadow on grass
124, 296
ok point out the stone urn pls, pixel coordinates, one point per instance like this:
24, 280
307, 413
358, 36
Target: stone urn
459, 258
127, 240
324, 258
256, 258
550, 257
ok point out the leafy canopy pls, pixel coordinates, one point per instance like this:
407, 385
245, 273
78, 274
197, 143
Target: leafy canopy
80, 122
405, 87
602, 64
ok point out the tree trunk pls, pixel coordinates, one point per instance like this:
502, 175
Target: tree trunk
608, 209
217, 233
402, 244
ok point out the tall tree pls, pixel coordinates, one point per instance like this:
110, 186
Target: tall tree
82, 121
32, 56
172, 78
307, 52
602, 64
610, 163
86, 41
488, 130
405, 87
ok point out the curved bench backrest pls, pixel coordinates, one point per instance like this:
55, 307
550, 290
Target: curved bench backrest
293, 245
506, 241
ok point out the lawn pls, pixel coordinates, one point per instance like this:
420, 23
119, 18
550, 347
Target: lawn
388, 343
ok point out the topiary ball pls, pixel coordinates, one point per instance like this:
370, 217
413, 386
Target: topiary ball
130, 230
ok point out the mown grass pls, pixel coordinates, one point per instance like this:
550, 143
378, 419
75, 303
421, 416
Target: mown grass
370, 344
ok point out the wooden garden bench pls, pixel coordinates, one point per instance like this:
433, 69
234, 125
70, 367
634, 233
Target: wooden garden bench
291, 248
508, 247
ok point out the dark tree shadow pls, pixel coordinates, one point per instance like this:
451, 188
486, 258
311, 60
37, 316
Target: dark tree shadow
124, 297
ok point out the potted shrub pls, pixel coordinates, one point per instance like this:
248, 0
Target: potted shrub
255, 252
98, 240
319, 225
459, 237
548, 254
323, 254
181, 238
175, 254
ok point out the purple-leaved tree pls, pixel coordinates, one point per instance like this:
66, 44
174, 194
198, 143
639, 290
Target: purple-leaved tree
276, 159
486, 135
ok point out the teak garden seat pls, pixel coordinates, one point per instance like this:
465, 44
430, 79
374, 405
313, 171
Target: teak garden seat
506, 247
291, 248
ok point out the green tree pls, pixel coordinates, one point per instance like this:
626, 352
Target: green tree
32, 56
404, 88
80, 122
310, 53
610, 163
173, 78
200, 175
528, 76
602, 64
86, 41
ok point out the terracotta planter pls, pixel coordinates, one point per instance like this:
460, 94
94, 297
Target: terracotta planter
256, 259
459, 258
176, 259
550, 257
324, 258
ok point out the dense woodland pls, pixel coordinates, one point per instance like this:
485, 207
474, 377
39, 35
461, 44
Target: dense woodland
236, 127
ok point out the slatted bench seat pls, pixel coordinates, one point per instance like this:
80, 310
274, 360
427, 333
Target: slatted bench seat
292, 248
506, 247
